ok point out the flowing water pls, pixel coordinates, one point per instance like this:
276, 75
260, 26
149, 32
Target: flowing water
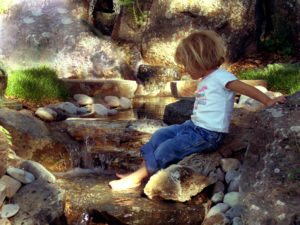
89, 199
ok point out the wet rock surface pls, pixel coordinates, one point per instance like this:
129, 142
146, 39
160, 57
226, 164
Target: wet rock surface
83, 201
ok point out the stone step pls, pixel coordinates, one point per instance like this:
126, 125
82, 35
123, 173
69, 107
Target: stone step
112, 145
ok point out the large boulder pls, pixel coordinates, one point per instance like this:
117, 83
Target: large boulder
181, 181
7, 156
169, 21
28, 133
40, 203
35, 140
270, 175
157, 78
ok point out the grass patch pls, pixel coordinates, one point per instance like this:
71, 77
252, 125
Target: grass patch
4, 5
280, 77
36, 84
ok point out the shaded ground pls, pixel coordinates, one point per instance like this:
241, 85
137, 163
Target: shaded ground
260, 59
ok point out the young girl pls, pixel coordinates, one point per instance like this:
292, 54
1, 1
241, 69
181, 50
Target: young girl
201, 54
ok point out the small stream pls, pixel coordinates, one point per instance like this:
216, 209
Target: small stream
89, 199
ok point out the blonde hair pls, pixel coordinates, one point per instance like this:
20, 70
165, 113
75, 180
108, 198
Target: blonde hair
201, 51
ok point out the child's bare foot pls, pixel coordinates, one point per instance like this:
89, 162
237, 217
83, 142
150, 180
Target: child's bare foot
122, 175
124, 183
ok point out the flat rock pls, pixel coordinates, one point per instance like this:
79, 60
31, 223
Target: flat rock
12, 185
119, 88
176, 183
38, 170
21, 175
40, 203
9, 210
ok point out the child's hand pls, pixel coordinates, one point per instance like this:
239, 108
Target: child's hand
280, 99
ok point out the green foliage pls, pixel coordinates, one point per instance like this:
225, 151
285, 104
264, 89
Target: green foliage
279, 40
134, 7
4, 5
36, 84
280, 77
7, 134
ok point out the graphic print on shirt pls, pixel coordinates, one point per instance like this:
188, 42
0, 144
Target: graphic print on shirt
200, 97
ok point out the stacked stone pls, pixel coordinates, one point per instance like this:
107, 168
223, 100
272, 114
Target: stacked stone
83, 106
14, 179
226, 208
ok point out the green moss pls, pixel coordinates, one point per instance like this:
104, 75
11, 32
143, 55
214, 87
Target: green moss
4, 5
280, 77
36, 84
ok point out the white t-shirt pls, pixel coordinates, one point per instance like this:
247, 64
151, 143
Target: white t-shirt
214, 102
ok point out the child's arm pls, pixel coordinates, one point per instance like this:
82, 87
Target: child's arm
252, 92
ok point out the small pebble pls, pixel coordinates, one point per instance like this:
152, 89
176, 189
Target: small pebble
9, 210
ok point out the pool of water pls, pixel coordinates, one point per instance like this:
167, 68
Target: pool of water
89, 200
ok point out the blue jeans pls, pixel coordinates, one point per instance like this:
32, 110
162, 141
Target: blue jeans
171, 144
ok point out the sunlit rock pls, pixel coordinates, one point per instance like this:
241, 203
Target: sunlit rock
46, 113
38, 170
83, 99
119, 88
184, 88
12, 185
218, 218
245, 100
178, 183
5, 221
230, 164
169, 21
125, 103
203, 164
7, 156
9, 210
2, 193
21, 175
112, 101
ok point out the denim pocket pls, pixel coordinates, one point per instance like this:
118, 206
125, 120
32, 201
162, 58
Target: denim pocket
212, 137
